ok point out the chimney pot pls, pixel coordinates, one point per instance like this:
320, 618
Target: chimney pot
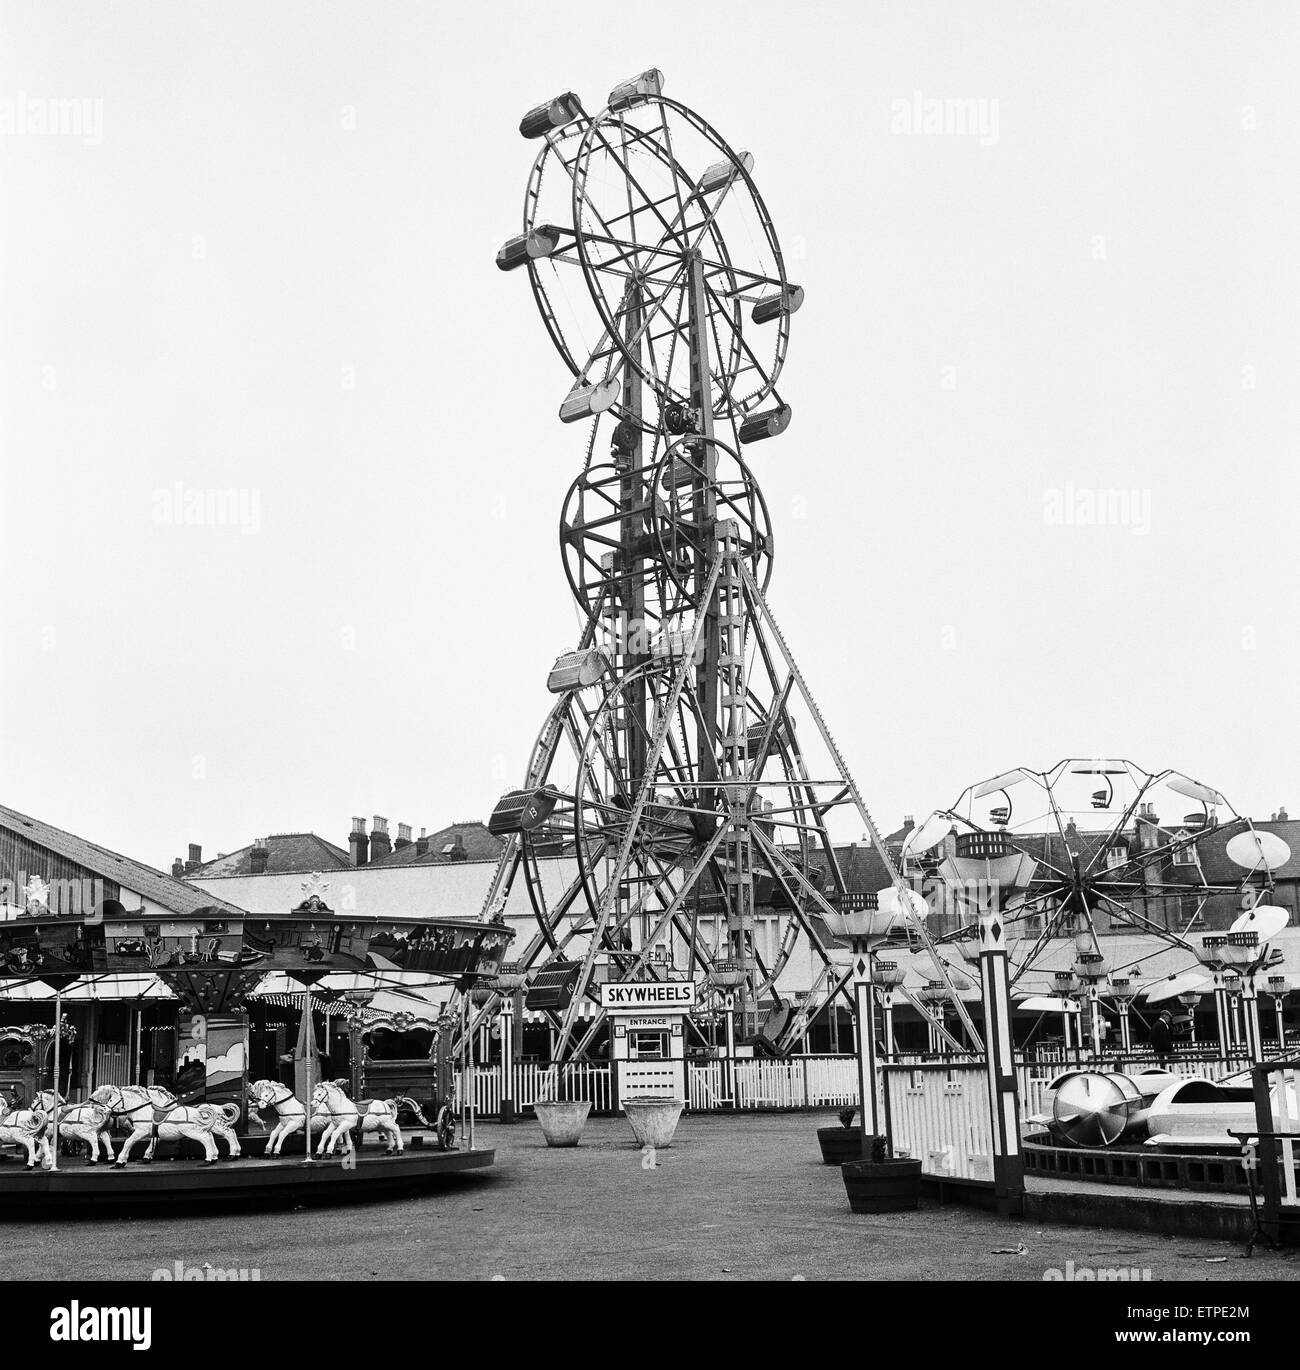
259, 856
422, 843
178, 868
380, 843
403, 836
358, 842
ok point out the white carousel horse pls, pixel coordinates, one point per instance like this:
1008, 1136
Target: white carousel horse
340, 1114
380, 1115
87, 1122
290, 1112
154, 1112
376, 1115
24, 1127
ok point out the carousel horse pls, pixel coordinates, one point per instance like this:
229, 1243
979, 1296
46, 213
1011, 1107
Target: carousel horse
88, 1122
380, 1115
290, 1112
154, 1112
24, 1127
341, 1115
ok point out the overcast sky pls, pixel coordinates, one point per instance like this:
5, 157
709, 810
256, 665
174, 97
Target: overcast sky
264, 263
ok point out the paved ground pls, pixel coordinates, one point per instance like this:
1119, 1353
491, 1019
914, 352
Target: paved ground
733, 1198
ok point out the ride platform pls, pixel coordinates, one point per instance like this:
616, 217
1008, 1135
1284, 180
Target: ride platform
255, 1181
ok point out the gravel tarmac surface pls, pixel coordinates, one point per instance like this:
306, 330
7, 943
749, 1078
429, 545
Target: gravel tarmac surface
731, 1199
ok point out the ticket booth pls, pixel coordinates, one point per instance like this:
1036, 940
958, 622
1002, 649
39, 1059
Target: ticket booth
647, 1026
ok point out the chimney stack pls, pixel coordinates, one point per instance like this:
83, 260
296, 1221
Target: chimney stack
259, 856
358, 842
380, 843
422, 843
403, 836
195, 858
457, 852
178, 868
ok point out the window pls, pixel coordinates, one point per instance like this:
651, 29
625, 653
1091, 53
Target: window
1185, 855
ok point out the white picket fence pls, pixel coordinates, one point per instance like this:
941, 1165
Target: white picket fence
939, 1115
576, 1080
796, 1082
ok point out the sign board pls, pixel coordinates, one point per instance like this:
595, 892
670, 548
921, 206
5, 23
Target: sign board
656, 1023
664, 996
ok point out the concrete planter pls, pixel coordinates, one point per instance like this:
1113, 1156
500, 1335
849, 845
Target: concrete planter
562, 1120
882, 1186
654, 1121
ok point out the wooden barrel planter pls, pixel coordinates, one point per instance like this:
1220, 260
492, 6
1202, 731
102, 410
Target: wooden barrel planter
841, 1144
882, 1186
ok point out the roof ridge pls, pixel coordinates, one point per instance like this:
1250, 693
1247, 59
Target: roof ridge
76, 848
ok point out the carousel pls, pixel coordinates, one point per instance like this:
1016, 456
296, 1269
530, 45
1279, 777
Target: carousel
306, 1056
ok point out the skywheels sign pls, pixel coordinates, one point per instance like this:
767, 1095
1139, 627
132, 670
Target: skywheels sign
672, 996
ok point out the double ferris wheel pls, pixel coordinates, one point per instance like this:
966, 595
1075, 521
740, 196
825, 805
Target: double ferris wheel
684, 783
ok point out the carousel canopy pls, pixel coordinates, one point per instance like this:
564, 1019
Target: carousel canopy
88, 989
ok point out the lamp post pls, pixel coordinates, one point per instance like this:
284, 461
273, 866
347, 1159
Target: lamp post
1244, 955
509, 983
934, 995
1067, 985
1279, 987
859, 919
1090, 972
1212, 955
888, 976
1235, 958
728, 977
1123, 990
1189, 999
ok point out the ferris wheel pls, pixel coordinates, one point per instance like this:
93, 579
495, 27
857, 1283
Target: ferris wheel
1092, 846
642, 229
684, 786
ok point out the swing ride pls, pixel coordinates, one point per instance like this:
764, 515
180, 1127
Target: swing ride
1094, 846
